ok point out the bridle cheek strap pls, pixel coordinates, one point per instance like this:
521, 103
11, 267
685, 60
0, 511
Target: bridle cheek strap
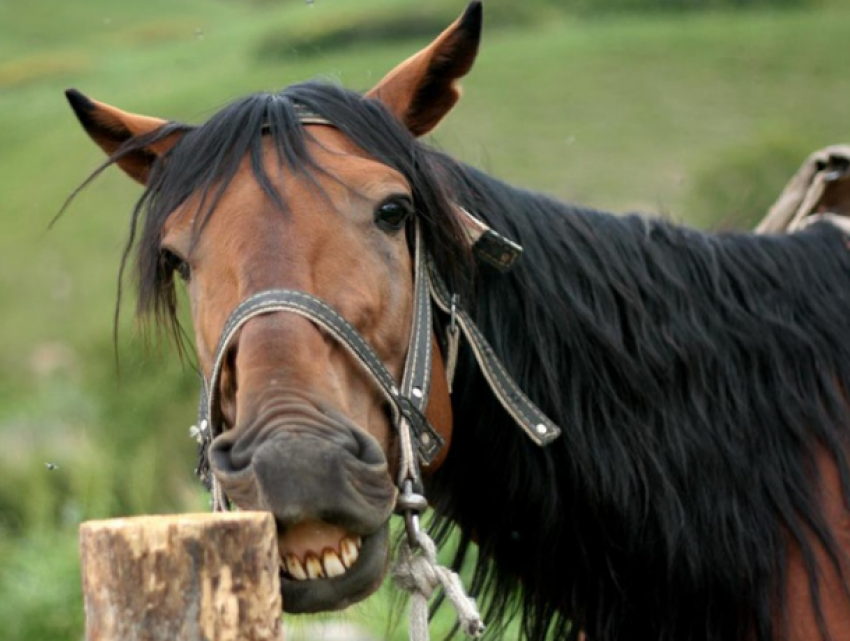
539, 427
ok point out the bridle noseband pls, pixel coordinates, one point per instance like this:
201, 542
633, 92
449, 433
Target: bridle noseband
419, 442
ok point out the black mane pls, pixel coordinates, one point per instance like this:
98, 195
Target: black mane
696, 378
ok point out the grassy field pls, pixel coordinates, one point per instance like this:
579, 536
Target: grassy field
700, 116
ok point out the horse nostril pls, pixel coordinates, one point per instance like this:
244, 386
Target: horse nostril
220, 456
231, 465
368, 449
225, 459
356, 441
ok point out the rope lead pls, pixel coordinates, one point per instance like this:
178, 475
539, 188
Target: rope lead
418, 573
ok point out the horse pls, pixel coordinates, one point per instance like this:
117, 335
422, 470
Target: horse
638, 430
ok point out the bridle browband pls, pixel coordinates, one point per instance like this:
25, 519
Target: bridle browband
419, 442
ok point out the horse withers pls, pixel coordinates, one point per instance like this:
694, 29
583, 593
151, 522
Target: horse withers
698, 489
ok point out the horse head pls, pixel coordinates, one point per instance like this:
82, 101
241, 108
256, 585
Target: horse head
276, 193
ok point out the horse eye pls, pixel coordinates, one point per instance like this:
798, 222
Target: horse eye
391, 215
171, 262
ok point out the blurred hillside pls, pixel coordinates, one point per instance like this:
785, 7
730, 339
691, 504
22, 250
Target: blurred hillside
699, 109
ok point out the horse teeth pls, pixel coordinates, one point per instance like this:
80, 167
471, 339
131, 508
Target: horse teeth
313, 567
295, 568
349, 551
332, 564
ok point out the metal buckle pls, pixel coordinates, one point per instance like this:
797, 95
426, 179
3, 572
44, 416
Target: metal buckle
453, 315
411, 505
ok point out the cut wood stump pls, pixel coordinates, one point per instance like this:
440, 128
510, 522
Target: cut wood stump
189, 577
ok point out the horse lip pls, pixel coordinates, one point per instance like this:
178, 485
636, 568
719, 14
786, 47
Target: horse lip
360, 581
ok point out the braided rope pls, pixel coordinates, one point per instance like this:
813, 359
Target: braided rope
418, 573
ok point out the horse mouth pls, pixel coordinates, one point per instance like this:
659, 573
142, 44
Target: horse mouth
324, 567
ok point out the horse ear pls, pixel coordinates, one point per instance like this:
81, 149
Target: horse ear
422, 89
110, 128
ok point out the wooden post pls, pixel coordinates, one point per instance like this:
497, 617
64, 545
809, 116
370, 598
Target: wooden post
191, 577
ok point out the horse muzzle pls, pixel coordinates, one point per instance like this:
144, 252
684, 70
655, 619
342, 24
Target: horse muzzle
328, 486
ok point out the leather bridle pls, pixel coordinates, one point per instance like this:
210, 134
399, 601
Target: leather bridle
419, 442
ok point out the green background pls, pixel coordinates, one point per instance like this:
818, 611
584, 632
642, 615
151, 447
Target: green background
697, 110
